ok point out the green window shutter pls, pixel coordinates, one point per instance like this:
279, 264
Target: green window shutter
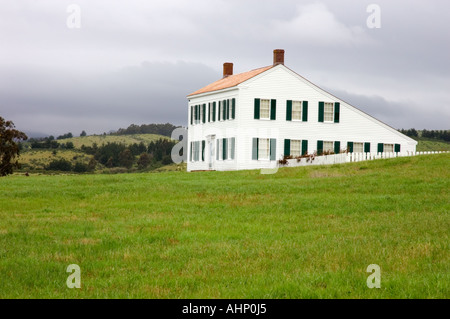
218, 111
255, 148
214, 112
397, 148
192, 115
337, 107
233, 108
224, 110
233, 145
304, 147
273, 109
204, 113
367, 147
209, 112
217, 149
257, 107
224, 146
190, 153
203, 150
288, 110
273, 149
319, 147
287, 147
337, 147
350, 147
321, 106
380, 147
228, 109
305, 111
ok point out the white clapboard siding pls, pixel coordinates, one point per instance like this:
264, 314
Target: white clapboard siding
282, 84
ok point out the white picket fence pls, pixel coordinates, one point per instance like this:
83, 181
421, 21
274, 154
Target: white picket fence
350, 157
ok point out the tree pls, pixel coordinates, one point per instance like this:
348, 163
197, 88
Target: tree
80, 167
92, 164
9, 146
144, 160
83, 133
126, 158
59, 165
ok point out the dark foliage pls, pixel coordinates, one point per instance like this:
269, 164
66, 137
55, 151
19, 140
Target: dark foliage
59, 165
161, 129
64, 136
9, 146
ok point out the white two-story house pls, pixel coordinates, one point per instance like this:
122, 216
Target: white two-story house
252, 119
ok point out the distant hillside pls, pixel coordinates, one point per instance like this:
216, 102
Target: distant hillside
161, 129
430, 144
104, 139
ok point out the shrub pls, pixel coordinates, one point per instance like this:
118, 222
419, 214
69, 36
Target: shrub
80, 167
59, 165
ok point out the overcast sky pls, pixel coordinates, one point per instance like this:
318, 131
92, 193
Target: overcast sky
135, 61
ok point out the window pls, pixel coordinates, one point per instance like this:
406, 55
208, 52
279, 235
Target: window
220, 149
328, 146
265, 109
209, 111
230, 150
388, 148
195, 151
295, 148
358, 147
263, 148
225, 149
297, 110
328, 112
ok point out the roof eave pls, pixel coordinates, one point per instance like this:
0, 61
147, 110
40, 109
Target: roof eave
212, 92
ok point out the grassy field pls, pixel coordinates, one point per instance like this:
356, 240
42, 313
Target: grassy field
300, 233
428, 144
37, 159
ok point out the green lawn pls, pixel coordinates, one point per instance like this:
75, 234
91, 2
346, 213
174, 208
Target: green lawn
300, 233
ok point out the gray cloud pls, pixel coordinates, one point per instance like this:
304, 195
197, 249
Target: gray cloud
55, 79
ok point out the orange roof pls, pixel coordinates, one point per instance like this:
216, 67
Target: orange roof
231, 80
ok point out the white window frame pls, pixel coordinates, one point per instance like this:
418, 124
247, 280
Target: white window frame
357, 145
261, 104
328, 114
293, 151
229, 148
328, 149
220, 150
385, 146
297, 104
261, 155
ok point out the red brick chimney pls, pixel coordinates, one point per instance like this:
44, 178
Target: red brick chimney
278, 56
227, 69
